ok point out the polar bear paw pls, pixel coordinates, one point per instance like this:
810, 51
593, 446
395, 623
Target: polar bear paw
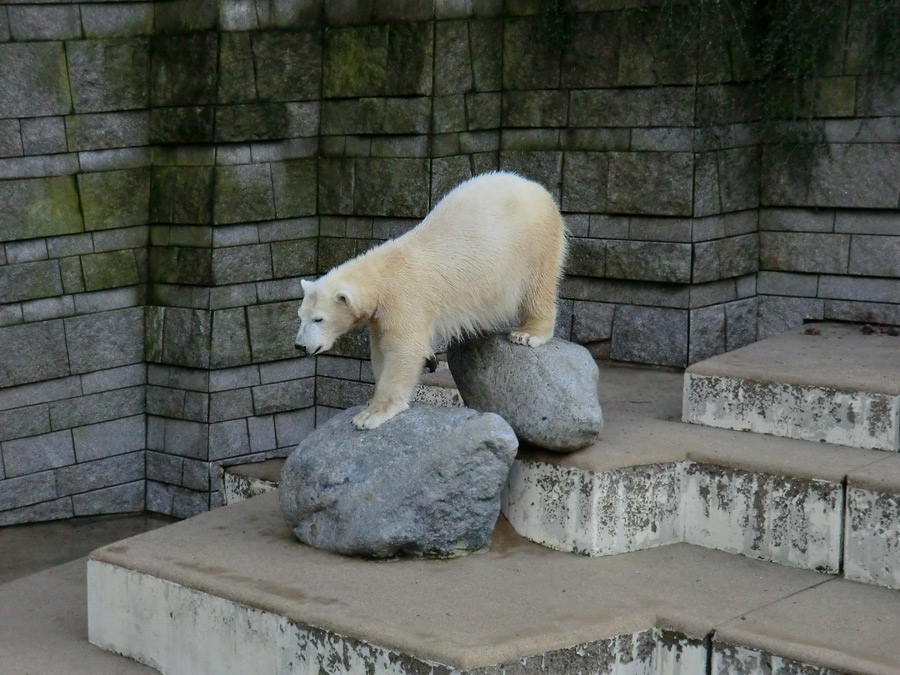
373, 416
521, 337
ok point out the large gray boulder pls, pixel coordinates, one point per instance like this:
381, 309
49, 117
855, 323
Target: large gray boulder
548, 394
426, 482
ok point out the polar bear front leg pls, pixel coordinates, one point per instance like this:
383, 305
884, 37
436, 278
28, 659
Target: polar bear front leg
393, 389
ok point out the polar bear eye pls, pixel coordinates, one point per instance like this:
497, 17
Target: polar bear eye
319, 320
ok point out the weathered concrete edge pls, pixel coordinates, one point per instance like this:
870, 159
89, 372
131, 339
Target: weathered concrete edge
874, 405
272, 643
553, 506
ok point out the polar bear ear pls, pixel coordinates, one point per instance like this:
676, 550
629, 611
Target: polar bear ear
345, 297
306, 285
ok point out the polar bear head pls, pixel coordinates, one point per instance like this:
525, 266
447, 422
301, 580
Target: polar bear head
326, 313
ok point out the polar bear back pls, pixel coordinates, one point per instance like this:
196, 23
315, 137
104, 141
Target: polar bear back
479, 253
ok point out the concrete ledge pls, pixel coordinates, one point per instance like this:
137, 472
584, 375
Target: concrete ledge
872, 540
829, 383
230, 591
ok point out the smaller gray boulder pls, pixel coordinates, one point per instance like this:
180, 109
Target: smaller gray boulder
426, 482
548, 394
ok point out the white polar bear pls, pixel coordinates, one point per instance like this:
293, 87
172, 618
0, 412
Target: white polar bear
489, 253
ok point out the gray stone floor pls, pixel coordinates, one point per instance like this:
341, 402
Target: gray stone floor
27, 549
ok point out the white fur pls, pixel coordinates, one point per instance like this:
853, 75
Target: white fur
489, 253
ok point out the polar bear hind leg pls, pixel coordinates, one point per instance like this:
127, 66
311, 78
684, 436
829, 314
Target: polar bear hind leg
538, 312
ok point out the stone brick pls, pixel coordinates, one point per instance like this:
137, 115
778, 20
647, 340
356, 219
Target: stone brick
43, 135
32, 352
337, 178
648, 261
126, 498
707, 333
39, 207
195, 474
241, 263
665, 139
650, 182
230, 342
294, 183
180, 265
228, 405
165, 402
292, 427
650, 51
875, 256
49, 22
777, 314
355, 61
94, 408
584, 181
116, 20
114, 378
535, 108
804, 252
37, 453
797, 220
591, 57
39, 392
592, 321
251, 122
291, 369
106, 439
243, 193
531, 54
453, 70
109, 74
21, 422
447, 173
228, 439
608, 227
174, 85
392, 187
725, 258
109, 270
787, 283
186, 124
163, 467
237, 81
294, 258
112, 199
108, 130
182, 195
187, 439
863, 312
10, 138
262, 433
186, 337
105, 340
282, 396
652, 107
100, 473
288, 65
740, 323
543, 167
587, 257
26, 281
650, 335
48, 308
272, 330
858, 288
233, 378
33, 80
739, 178
57, 509
26, 490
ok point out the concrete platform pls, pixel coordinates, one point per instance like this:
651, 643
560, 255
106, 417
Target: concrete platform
653, 481
235, 589
823, 382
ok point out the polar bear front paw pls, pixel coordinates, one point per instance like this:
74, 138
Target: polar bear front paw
374, 416
521, 337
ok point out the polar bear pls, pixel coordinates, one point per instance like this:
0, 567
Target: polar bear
490, 253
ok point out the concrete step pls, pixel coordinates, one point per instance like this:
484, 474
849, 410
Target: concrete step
823, 382
231, 591
652, 481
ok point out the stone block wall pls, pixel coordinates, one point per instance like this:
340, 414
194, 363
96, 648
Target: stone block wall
170, 170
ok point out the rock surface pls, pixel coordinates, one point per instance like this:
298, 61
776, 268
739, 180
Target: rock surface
547, 394
426, 482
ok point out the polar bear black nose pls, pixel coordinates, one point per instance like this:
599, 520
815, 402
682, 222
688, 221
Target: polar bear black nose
300, 348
